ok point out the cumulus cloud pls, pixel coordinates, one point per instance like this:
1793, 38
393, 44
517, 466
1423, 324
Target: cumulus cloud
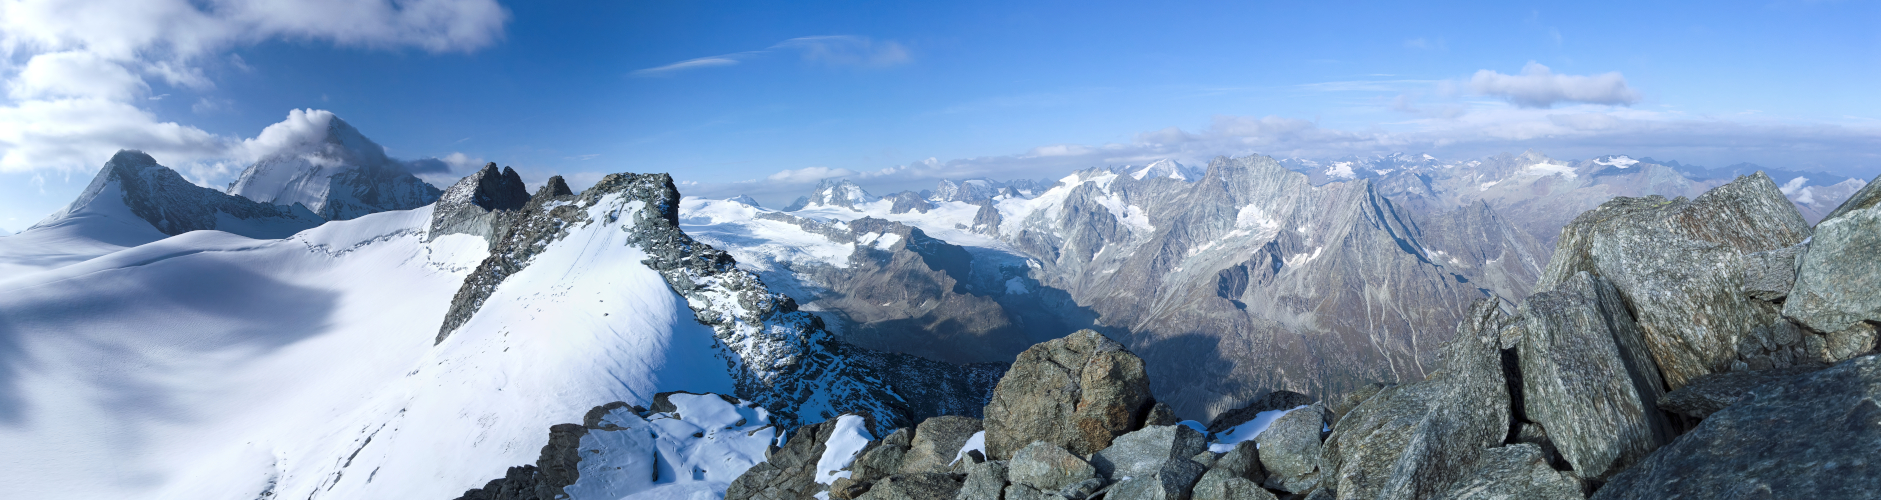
1538, 87
89, 65
831, 50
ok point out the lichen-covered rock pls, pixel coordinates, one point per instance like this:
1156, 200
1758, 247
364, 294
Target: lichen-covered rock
883, 458
1515, 471
1835, 286
1290, 450
1213, 487
1812, 437
1587, 379
1046, 467
1769, 275
1172, 481
1680, 266
985, 481
921, 486
1145, 451
1708, 394
937, 441
1351, 399
1413, 441
1077, 392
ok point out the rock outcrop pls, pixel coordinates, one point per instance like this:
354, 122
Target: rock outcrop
1079, 392
1812, 437
1587, 377
787, 473
479, 203
1413, 440
1708, 394
1679, 264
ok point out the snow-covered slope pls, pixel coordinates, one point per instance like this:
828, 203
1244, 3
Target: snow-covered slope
213, 366
320, 161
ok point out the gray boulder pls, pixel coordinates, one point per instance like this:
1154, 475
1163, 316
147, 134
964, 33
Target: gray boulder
1514, 471
1172, 481
1077, 392
1351, 399
1769, 275
1812, 437
1680, 266
1835, 286
1290, 450
1708, 394
883, 458
1211, 487
936, 442
1046, 467
1143, 452
985, 481
922, 486
1413, 441
1588, 379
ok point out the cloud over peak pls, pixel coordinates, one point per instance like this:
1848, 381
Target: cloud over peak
1539, 87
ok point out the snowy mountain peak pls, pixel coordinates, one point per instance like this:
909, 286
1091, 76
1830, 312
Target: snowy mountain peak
133, 186
1165, 168
318, 160
837, 193
746, 200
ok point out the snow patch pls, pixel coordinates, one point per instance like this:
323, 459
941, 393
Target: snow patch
976, 442
850, 436
1225, 441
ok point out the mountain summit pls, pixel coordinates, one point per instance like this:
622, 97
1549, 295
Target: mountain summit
320, 161
133, 186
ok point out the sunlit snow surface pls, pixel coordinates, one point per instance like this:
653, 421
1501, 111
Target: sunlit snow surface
212, 366
1225, 441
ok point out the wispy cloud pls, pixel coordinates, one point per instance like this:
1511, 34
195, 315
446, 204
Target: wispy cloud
831, 50
1538, 87
809, 174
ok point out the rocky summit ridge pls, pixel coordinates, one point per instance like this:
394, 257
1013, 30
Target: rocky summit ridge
1580, 390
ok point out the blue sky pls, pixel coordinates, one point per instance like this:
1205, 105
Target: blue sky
766, 98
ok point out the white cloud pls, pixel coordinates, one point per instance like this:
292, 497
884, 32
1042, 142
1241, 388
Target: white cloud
809, 174
1538, 87
832, 50
75, 74
88, 65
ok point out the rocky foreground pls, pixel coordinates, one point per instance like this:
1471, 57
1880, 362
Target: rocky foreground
1717, 347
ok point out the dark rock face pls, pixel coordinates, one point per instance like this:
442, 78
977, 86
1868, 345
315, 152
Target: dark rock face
1708, 394
788, 473
1811, 437
478, 203
985, 481
1078, 392
554, 470
1679, 265
1415, 440
173, 205
1236, 474
1842, 268
1587, 378
553, 188
882, 458
1515, 471
908, 201
1290, 450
